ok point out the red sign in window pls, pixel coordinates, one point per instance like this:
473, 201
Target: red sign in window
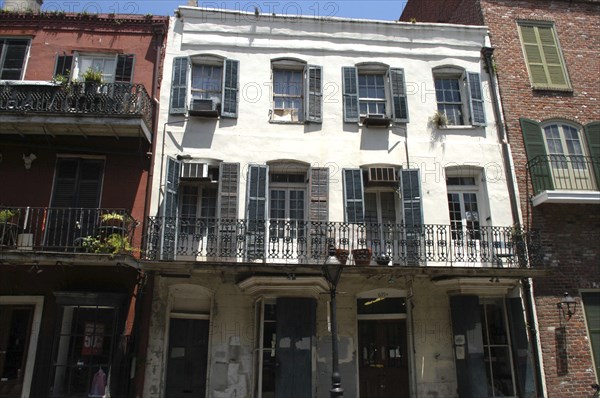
93, 337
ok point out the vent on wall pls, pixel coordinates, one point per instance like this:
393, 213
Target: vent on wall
382, 174
194, 170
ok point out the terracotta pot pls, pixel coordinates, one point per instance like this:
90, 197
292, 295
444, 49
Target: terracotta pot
342, 255
361, 256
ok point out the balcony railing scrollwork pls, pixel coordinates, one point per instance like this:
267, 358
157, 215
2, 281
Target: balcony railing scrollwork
305, 242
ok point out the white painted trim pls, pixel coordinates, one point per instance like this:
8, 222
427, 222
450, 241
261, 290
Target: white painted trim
184, 315
38, 302
566, 196
483, 287
283, 287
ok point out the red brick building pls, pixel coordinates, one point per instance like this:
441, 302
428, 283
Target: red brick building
77, 127
547, 62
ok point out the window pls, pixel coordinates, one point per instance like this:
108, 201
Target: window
198, 209
463, 206
459, 96
591, 305
213, 87
12, 58
374, 94
560, 155
287, 202
543, 56
297, 91
115, 68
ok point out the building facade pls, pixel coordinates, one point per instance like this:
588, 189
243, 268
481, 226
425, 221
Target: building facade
547, 62
282, 138
76, 131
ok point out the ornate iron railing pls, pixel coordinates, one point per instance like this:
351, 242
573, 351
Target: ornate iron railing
58, 229
101, 99
299, 242
564, 172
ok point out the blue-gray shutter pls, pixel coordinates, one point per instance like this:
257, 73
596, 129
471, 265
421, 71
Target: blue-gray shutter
256, 210
592, 134
169, 209
411, 197
229, 102
178, 103
353, 196
319, 192
475, 99
538, 160
470, 370
314, 94
350, 94
398, 90
228, 191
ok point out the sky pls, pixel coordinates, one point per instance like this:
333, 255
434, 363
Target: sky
369, 9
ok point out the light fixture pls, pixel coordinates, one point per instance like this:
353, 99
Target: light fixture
332, 270
568, 306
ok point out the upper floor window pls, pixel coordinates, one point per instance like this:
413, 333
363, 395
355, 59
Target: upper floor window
543, 56
459, 96
374, 94
297, 91
12, 58
115, 68
212, 88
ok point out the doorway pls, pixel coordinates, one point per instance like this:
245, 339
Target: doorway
16, 322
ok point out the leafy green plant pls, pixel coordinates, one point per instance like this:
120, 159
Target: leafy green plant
92, 75
112, 244
7, 214
60, 79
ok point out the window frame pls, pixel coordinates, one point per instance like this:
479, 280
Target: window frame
470, 88
3, 50
536, 25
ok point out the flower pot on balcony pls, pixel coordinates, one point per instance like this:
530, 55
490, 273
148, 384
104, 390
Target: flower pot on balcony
342, 255
383, 260
361, 256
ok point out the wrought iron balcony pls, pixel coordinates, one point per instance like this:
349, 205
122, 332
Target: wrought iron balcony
302, 242
53, 229
118, 101
564, 172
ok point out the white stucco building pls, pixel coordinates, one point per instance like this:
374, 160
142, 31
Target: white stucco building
283, 136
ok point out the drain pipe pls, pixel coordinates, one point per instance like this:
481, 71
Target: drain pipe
487, 53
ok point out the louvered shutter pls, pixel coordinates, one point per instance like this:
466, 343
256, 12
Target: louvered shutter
398, 90
475, 99
314, 94
228, 191
124, 71
411, 197
178, 103
543, 57
169, 210
539, 167
256, 210
77, 183
319, 194
350, 94
229, 102
353, 196
592, 134
63, 66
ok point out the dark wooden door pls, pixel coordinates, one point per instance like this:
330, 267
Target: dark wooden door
296, 322
383, 369
15, 329
187, 358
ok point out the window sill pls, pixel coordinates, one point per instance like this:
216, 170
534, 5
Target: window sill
568, 90
465, 127
286, 122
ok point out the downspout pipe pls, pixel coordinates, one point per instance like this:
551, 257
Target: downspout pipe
487, 53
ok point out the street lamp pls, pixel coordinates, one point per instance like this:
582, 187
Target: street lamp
568, 306
332, 269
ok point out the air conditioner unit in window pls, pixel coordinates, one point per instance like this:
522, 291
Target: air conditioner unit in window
194, 170
285, 115
383, 175
376, 120
205, 107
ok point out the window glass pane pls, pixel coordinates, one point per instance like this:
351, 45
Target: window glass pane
207, 81
13, 52
371, 208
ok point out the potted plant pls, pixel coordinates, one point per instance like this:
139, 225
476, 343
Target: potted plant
362, 256
92, 78
383, 259
439, 119
7, 214
342, 255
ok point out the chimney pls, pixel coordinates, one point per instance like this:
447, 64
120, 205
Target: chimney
23, 5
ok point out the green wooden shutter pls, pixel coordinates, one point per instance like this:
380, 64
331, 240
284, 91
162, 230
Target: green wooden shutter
256, 210
314, 94
539, 167
353, 196
228, 190
319, 192
169, 209
178, 103
350, 94
543, 57
475, 99
124, 71
592, 134
591, 304
398, 89
229, 102
63, 65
